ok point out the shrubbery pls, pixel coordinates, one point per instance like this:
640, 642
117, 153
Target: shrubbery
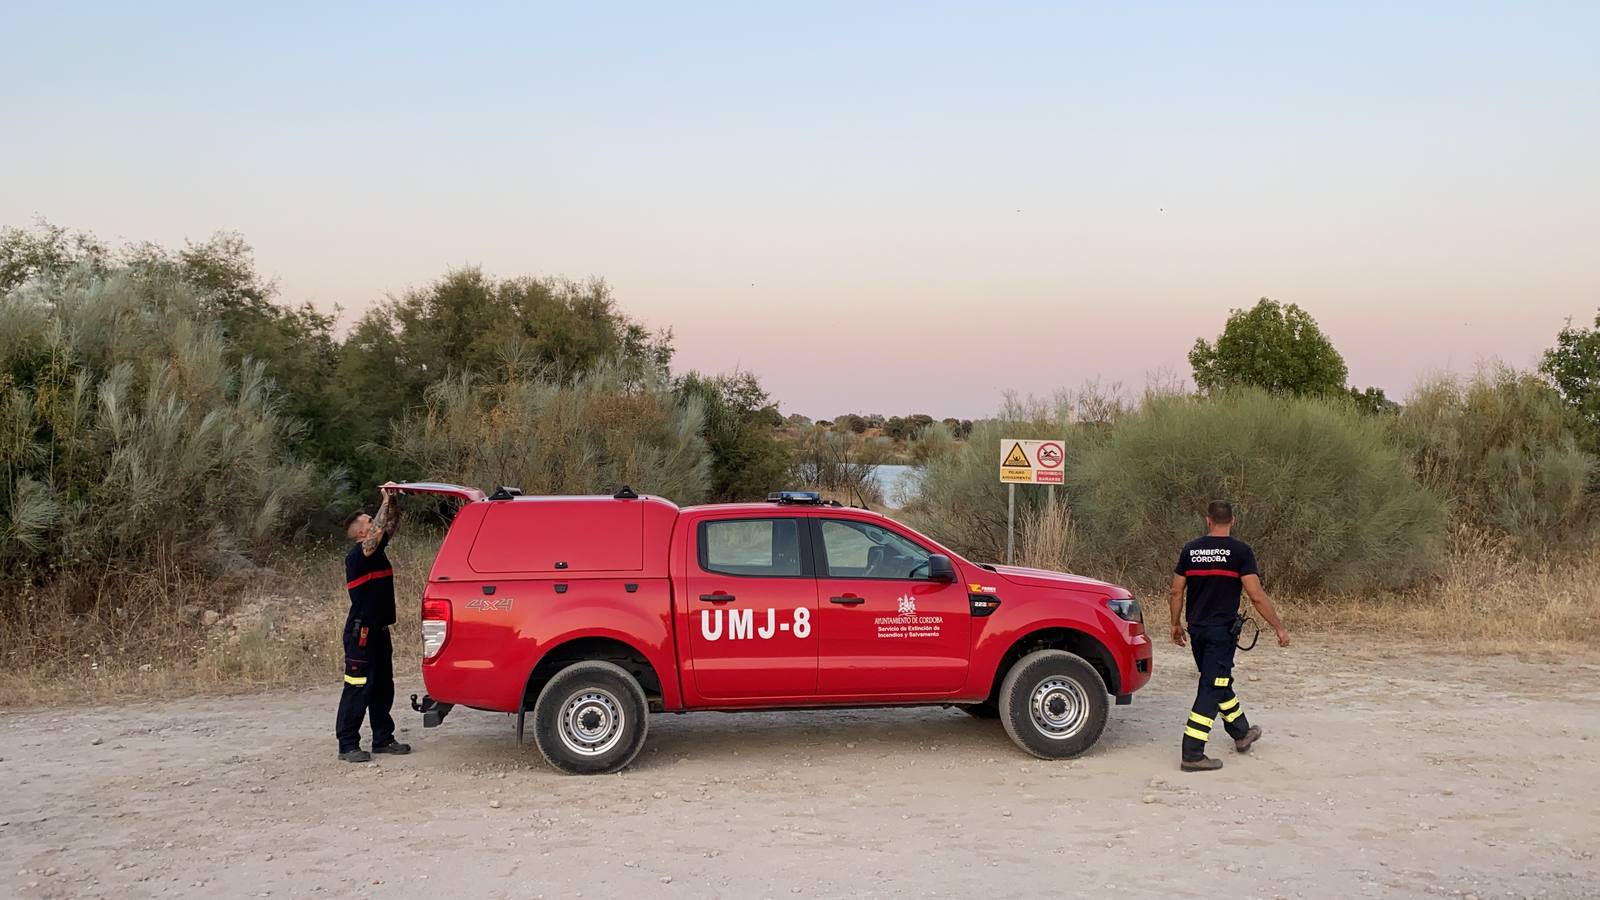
1327, 500
128, 437
1504, 449
748, 461
588, 435
1319, 491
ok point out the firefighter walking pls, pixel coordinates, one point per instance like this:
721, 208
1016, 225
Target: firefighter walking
368, 654
1213, 570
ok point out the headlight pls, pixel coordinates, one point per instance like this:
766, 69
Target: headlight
1127, 609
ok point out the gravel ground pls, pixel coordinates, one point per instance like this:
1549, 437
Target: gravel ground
1392, 771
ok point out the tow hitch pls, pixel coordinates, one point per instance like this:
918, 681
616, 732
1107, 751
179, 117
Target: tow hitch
433, 712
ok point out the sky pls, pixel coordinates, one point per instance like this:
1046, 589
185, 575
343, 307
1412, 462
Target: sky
882, 207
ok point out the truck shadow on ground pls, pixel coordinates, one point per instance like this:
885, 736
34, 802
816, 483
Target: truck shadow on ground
813, 735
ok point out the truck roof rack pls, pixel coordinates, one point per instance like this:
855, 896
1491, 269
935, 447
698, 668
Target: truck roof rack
505, 492
626, 493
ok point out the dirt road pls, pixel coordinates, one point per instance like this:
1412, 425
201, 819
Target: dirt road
1397, 773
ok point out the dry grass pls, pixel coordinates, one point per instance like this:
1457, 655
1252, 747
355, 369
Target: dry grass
279, 630
1045, 536
1490, 600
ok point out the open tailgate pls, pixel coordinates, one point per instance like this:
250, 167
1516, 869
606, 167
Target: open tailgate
468, 494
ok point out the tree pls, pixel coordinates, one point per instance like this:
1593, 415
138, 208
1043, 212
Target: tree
47, 251
472, 324
748, 461
1573, 365
294, 343
1373, 401
1272, 346
959, 428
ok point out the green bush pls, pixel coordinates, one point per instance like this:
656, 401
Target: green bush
589, 435
128, 439
1505, 450
1318, 491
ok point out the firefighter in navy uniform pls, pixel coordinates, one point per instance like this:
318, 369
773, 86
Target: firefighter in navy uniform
368, 655
1214, 570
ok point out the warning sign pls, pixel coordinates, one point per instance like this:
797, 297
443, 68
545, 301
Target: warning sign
1032, 462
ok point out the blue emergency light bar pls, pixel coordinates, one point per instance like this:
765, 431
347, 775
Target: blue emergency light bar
798, 497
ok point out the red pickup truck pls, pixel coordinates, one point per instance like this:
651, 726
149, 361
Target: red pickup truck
592, 612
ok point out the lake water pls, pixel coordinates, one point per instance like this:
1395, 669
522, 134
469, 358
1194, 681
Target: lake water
898, 483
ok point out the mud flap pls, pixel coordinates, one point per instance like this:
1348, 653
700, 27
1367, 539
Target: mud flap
522, 715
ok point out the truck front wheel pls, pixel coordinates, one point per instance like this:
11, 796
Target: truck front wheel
1053, 704
590, 719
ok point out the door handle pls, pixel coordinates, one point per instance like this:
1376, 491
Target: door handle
717, 598
848, 600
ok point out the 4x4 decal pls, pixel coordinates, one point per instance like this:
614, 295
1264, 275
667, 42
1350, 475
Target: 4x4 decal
497, 604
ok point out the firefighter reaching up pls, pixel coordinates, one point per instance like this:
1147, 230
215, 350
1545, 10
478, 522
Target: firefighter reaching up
368, 653
1214, 570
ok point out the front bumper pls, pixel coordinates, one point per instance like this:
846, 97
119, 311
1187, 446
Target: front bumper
1140, 666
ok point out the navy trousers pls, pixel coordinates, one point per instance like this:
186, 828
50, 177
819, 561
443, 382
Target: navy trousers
368, 686
1213, 647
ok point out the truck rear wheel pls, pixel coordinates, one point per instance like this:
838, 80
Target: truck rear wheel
1053, 704
590, 719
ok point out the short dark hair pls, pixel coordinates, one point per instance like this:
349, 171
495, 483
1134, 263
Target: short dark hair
1220, 512
351, 519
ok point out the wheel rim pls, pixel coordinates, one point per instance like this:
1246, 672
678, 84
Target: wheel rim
592, 722
1060, 708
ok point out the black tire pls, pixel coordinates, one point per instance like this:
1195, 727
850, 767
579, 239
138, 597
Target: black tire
984, 710
604, 703
1071, 697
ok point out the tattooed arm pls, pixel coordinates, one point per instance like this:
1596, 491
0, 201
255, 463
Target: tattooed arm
383, 524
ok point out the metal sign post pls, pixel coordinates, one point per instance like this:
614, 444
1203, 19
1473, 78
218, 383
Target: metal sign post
1028, 462
1011, 522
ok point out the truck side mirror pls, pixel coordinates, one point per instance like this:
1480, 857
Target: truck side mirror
940, 568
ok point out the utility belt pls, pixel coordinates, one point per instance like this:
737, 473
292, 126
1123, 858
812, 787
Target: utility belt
359, 632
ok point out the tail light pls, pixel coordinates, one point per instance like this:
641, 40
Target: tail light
435, 626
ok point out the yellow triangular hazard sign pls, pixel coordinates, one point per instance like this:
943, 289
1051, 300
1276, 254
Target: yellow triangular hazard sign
1016, 457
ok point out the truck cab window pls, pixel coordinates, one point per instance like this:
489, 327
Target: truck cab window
753, 547
864, 550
